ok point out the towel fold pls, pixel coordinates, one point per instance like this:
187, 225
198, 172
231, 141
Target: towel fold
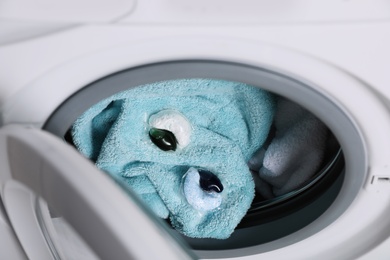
293, 155
183, 147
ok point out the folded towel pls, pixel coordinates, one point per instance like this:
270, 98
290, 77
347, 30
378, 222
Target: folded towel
183, 147
293, 155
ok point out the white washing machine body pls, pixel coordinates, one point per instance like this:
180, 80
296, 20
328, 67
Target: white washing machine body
335, 63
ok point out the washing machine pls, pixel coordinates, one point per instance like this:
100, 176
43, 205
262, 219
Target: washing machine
58, 59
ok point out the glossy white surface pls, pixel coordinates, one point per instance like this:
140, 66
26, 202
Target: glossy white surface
65, 11
341, 47
257, 11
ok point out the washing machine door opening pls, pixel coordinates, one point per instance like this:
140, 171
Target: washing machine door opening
277, 210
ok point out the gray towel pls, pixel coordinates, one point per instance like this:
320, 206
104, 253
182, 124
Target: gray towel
294, 154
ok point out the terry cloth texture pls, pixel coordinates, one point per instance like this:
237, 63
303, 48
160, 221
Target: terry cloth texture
229, 122
294, 154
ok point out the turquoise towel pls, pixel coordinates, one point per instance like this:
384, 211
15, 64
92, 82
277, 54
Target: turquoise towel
183, 147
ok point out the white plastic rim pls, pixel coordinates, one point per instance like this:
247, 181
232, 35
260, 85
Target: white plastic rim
41, 165
361, 223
